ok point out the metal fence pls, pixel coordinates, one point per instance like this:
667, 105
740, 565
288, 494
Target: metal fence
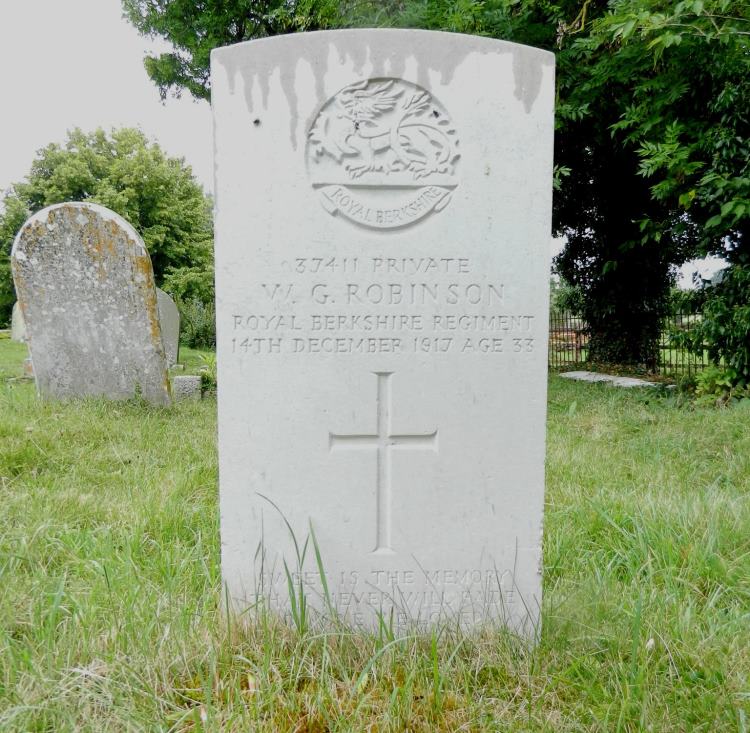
568, 344
568, 340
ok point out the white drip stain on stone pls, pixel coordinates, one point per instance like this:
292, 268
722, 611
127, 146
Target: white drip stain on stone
351, 48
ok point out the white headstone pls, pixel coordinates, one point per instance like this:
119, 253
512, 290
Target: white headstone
382, 269
85, 283
169, 321
17, 325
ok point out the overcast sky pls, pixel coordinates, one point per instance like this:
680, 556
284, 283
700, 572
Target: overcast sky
78, 63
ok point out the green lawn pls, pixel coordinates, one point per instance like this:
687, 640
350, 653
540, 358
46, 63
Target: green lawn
12, 355
109, 569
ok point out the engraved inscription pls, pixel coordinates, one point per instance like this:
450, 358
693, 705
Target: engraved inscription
383, 153
330, 306
383, 440
472, 594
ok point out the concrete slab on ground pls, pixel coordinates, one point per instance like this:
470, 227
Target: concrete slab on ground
583, 376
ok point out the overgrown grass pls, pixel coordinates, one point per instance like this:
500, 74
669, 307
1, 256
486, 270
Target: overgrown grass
12, 355
110, 613
194, 360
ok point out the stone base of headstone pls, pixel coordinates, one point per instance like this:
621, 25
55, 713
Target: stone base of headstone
186, 388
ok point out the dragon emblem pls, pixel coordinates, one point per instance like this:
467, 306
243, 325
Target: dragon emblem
381, 135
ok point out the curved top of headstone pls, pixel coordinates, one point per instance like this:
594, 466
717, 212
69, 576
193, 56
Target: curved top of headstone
414, 55
86, 289
342, 36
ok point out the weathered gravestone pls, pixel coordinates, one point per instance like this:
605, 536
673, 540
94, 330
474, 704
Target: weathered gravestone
17, 325
86, 288
169, 322
382, 267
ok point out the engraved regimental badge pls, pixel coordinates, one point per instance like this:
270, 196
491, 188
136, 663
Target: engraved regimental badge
383, 153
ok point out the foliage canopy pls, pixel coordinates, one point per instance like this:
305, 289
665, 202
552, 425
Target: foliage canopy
132, 176
194, 29
690, 126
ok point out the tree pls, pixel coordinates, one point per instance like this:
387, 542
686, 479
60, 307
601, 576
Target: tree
194, 29
126, 173
688, 122
691, 127
624, 278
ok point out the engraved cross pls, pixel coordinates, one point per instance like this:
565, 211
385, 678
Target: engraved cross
383, 441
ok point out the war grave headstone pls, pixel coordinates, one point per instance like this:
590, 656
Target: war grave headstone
169, 322
17, 325
86, 288
382, 266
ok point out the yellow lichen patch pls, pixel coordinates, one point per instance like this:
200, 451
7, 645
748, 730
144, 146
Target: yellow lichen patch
142, 265
101, 243
33, 237
114, 233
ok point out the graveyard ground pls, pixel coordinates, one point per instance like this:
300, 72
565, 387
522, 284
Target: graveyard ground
109, 570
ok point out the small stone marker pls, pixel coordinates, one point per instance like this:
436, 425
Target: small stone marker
169, 322
186, 387
86, 288
382, 269
17, 325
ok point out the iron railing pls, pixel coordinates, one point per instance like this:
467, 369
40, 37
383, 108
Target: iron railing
568, 340
568, 344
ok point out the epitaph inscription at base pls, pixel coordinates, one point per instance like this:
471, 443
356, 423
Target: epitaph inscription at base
382, 266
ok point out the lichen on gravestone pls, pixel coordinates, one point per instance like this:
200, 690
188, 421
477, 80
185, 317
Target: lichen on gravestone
86, 290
